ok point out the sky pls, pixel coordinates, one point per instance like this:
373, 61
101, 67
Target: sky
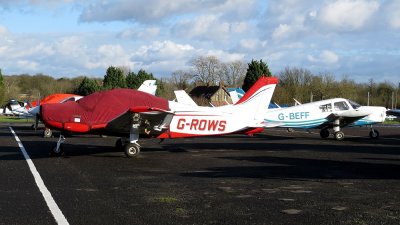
356, 39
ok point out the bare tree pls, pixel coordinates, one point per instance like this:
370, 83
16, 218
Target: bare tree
206, 69
233, 73
181, 79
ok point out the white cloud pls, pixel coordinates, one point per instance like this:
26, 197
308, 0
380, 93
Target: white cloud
143, 11
3, 30
209, 27
28, 65
164, 50
392, 9
347, 14
146, 33
326, 57
282, 31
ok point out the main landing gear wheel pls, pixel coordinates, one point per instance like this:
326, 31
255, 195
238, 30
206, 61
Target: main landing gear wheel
132, 150
324, 133
47, 133
339, 135
57, 152
374, 134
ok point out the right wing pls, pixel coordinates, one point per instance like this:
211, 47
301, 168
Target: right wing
152, 119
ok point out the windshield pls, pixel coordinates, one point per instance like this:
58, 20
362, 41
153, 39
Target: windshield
355, 105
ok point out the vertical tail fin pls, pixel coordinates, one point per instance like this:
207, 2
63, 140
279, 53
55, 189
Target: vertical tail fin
148, 86
258, 97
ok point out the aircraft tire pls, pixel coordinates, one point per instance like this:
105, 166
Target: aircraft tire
339, 135
374, 134
324, 133
132, 150
60, 151
47, 133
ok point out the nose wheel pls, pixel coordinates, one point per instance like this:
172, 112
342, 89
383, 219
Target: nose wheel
132, 150
374, 134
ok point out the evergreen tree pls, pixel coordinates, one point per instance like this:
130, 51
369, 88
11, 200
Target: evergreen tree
87, 87
114, 78
131, 80
142, 76
255, 70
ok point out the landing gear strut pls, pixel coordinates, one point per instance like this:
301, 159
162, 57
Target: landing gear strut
339, 135
57, 149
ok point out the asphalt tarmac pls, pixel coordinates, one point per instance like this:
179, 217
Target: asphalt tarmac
271, 178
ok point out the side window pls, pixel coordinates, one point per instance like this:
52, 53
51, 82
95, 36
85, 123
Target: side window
341, 106
326, 108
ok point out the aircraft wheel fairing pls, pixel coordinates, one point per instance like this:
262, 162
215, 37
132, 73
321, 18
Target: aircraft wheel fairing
47, 133
374, 134
324, 133
132, 150
339, 135
57, 152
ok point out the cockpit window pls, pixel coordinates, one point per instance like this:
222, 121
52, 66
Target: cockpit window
326, 107
355, 105
341, 106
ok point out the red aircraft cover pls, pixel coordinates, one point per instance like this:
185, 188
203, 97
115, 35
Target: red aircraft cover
54, 98
96, 110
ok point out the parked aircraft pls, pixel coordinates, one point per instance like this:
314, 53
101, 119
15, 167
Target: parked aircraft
148, 86
13, 108
129, 113
326, 114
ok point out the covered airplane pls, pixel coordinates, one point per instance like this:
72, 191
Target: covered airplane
148, 86
130, 113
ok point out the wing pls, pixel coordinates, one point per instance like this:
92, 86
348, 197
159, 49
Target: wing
344, 120
148, 118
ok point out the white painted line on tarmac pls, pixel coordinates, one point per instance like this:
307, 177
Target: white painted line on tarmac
57, 214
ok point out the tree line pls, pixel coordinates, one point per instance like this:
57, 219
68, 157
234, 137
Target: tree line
294, 83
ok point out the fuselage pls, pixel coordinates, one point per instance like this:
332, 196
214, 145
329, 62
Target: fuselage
316, 114
189, 120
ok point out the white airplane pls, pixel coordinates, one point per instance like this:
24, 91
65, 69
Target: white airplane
128, 113
14, 108
326, 114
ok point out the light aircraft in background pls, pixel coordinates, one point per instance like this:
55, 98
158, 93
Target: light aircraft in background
325, 115
129, 113
13, 108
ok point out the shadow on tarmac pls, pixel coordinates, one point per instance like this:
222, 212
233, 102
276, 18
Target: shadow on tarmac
300, 168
